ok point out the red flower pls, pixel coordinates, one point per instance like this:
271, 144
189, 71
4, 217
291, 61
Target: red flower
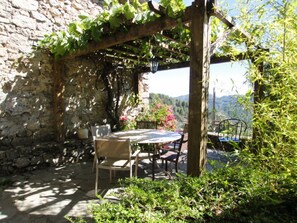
123, 118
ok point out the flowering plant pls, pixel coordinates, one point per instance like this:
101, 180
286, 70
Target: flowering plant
126, 123
162, 114
123, 118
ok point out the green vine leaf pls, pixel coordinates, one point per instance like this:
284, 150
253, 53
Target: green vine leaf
113, 18
117, 17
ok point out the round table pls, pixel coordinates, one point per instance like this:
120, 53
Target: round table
148, 136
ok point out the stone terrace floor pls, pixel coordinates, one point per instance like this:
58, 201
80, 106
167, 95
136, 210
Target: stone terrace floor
48, 195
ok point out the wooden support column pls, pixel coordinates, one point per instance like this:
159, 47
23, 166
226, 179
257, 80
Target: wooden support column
199, 77
58, 99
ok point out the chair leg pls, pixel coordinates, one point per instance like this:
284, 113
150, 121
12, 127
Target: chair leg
96, 181
176, 171
153, 167
166, 167
136, 167
110, 176
94, 163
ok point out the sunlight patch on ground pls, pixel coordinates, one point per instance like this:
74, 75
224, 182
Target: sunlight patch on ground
53, 209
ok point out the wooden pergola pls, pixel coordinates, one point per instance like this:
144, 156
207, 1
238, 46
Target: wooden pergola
123, 49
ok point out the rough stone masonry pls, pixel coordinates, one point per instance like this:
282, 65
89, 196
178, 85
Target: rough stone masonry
27, 131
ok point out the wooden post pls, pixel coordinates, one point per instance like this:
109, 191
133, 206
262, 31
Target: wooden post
58, 99
198, 99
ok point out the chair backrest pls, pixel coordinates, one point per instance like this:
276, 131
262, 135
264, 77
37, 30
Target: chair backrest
100, 130
183, 143
186, 128
113, 148
146, 125
231, 129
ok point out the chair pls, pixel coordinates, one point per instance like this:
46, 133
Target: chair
115, 154
175, 145
99, 131
175, 155
230, 131
147, 151
146, 125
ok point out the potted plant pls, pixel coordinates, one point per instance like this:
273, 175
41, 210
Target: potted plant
83, 131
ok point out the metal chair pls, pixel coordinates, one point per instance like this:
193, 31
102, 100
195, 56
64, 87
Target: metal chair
176, 155
99, 131
147, 151
115, 154
175, 145
230, 131
146, 124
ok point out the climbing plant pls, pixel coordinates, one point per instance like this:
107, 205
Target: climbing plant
115, 18
118, 90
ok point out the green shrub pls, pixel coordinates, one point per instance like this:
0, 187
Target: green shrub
231, 194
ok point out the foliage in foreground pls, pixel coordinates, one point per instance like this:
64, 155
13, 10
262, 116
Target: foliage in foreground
232, 194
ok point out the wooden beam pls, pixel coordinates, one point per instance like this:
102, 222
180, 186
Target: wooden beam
199, 81
58, 99
135, 32
174, 66
165, 46
118, 61
228, 20
168, 48
156, 8
220, 40
176, 41
121, 55
227, 58
213, 60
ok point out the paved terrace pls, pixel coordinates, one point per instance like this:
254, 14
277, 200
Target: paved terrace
48, 195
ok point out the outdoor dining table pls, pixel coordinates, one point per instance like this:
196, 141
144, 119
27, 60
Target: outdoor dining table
148, 136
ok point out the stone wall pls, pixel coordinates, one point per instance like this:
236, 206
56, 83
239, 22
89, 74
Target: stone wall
26, 84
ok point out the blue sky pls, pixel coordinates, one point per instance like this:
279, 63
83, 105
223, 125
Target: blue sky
226, 78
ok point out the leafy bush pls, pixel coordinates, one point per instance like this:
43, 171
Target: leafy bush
231, 194
180, 108
161, 113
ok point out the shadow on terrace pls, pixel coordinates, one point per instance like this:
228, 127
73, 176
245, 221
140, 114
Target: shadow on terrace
49, 195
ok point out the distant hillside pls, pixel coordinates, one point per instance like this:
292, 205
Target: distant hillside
183, 97
225, 107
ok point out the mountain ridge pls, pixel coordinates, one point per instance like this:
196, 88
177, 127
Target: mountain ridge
226, 106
